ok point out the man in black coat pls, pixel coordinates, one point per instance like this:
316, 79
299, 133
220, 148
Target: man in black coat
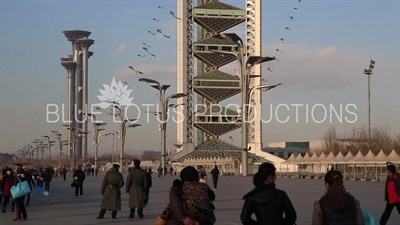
79, 176
29, 179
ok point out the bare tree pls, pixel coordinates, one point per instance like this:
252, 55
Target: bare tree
149, 155
381, 139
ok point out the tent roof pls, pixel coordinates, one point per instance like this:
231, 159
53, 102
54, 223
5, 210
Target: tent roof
290, 159
314, 158
322, 158
348, 157
370, 157
358, 158
330, 158
381, 157
339, 158
298, 159
394, 157
306, 159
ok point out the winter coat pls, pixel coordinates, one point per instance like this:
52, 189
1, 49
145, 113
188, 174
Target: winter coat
268, 204
110, 189
6, 184
47, 176
80, 175
149, 180
349, 213
136, 184
215, 173
29, 179
390, 190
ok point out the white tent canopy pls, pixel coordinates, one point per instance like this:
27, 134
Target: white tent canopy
369, 158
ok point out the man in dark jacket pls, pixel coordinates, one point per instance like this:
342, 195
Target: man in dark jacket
215, 174
136, 184
79, 176
110, 189
149, 183
391, 195
29, 179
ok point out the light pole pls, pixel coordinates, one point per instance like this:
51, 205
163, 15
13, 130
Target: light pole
112, 155
97, 127
368, 72
49, 142
124, 127
60, 145
244, 76
37, 148
164, 111
74, 137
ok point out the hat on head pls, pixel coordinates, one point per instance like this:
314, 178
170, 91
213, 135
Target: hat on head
136, 162
116, 166
19, 165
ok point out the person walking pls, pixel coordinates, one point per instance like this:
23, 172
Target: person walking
336, 206
29, 179
136, 184
7, 182
392, 196
149, 183
215, 174
79, 176
39, 178
65, 173
47, 176
110, 189
269, 204
19, 202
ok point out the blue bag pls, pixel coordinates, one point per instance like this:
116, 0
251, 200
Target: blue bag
41, 191
21, 189
369, 219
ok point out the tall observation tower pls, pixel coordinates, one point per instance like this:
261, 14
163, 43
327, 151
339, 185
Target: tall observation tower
209, 86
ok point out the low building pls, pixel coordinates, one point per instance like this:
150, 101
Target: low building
226, 156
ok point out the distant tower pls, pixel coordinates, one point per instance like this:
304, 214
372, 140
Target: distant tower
80, 46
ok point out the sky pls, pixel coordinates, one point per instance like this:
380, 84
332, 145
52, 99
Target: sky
320, 63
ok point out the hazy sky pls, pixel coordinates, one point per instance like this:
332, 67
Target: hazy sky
328, 46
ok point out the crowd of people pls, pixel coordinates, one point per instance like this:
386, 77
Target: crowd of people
191, 199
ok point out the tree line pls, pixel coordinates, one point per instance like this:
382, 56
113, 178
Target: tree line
357, 140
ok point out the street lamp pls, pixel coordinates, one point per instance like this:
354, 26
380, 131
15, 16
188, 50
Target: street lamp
49, 143
368, 72
96, 149
244, 76
163, 114
96, 127
60, 144
124, 127
75, 135
112, 155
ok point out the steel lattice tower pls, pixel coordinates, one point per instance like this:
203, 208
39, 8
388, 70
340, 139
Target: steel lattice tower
211, 84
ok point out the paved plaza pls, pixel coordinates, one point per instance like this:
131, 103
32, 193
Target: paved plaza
62, 207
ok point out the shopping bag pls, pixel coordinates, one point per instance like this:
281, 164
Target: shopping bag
369, 219
41, 191
21, 189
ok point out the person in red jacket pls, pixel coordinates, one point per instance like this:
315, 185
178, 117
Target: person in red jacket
391, 197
